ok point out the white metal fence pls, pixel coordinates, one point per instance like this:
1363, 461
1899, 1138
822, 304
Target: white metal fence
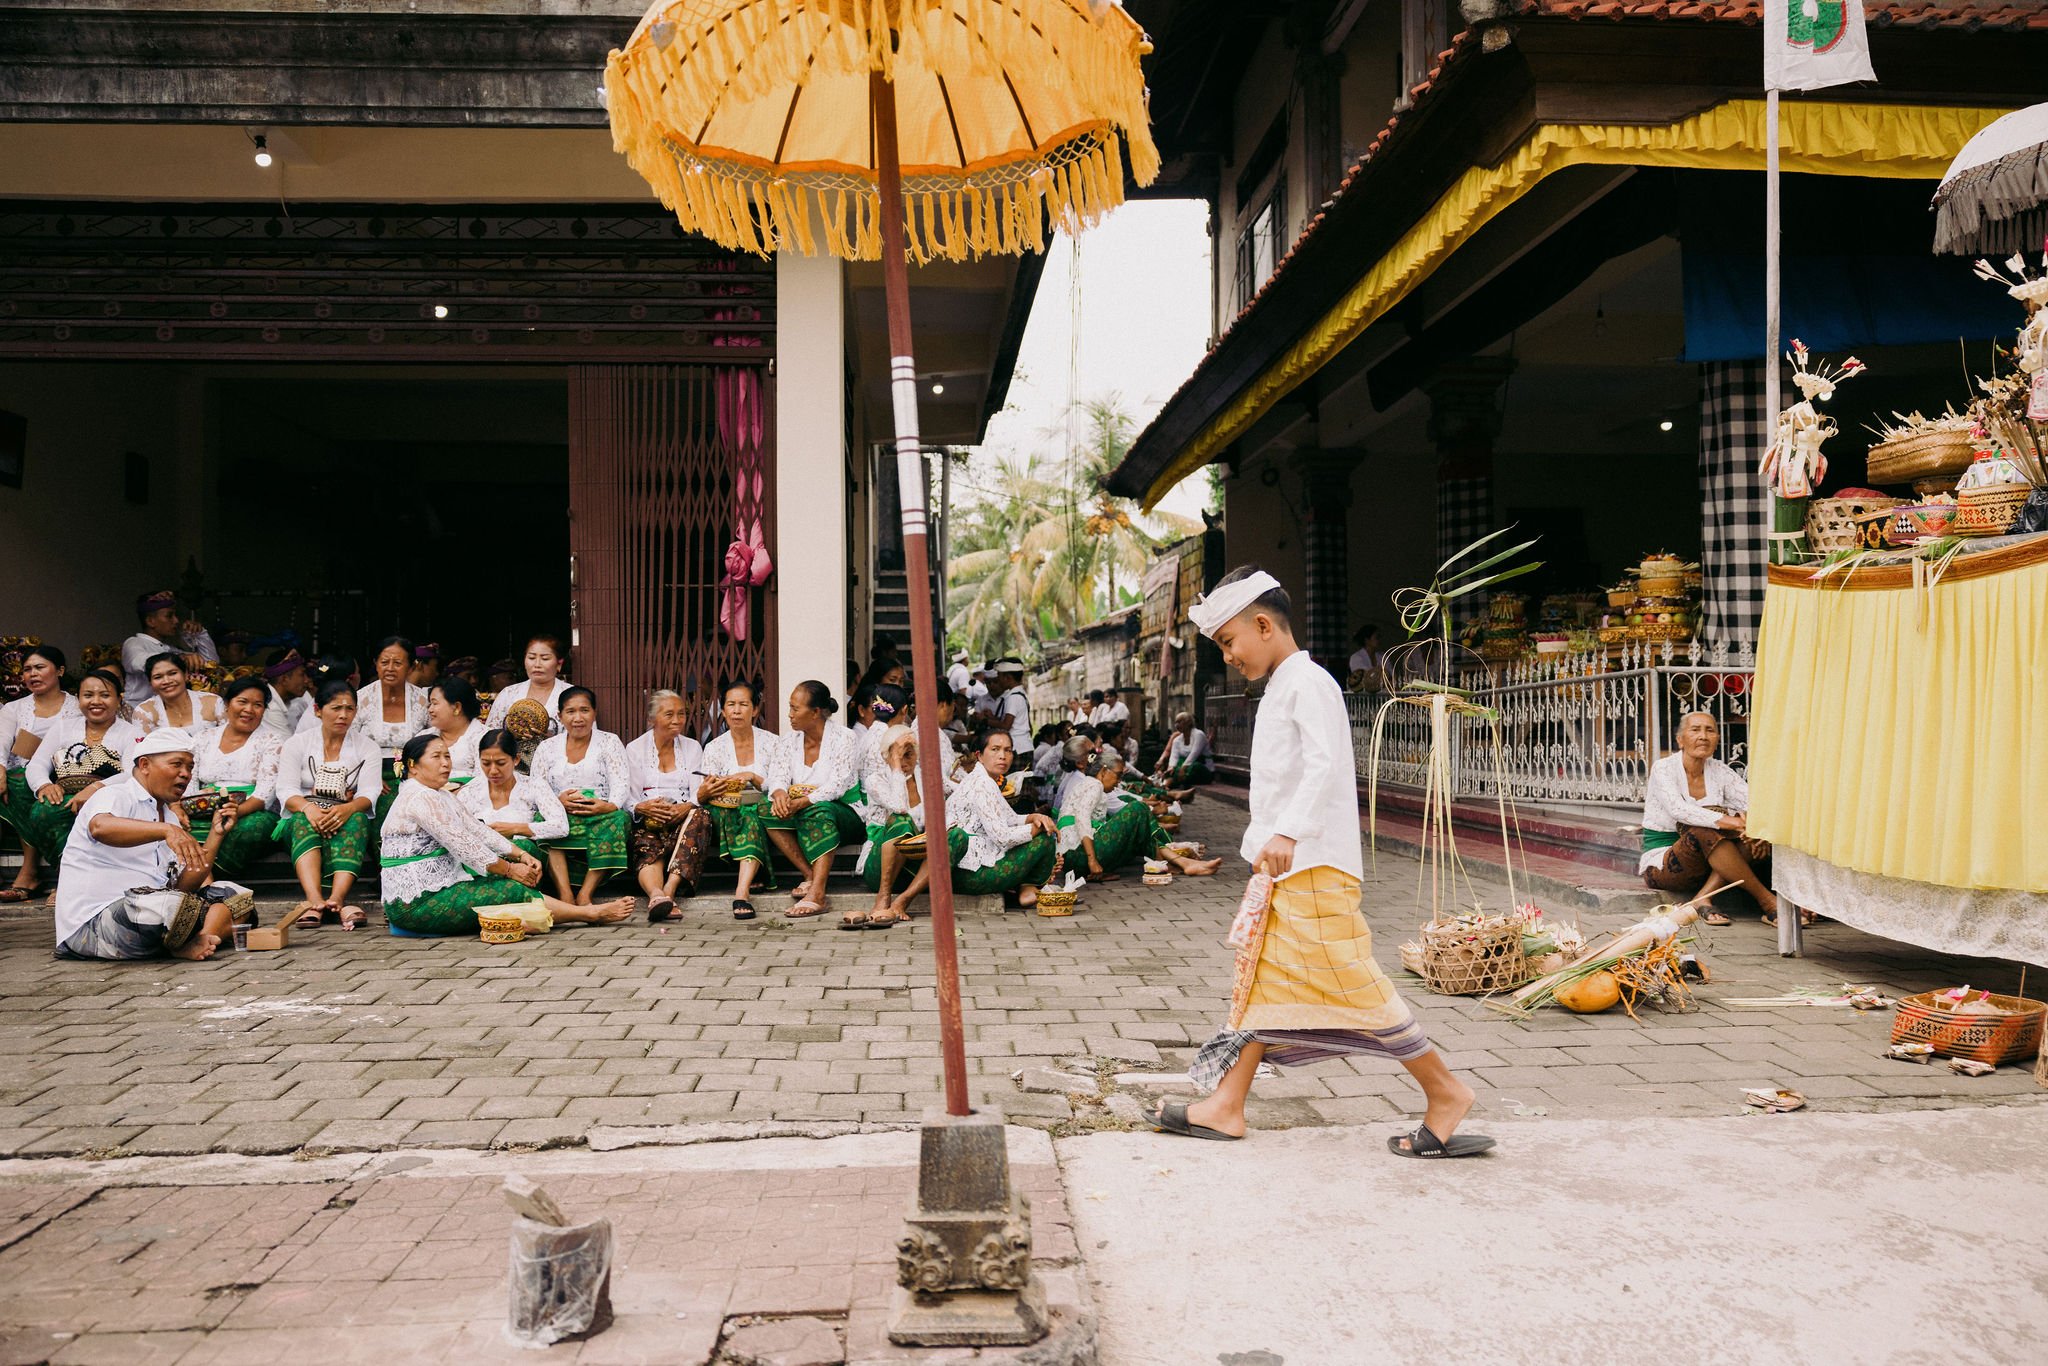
1573, 728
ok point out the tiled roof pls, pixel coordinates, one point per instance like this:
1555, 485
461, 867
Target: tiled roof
2013, 17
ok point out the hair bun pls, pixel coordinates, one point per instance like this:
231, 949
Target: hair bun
830, 706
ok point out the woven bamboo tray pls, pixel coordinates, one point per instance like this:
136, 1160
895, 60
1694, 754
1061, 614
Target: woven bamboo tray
1991, 510
1943, 450
1994, 1039
1051, 903
1831, 522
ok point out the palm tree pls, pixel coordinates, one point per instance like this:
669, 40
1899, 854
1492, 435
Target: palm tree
1042, 555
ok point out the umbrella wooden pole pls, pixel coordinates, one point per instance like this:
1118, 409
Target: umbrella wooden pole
910, 483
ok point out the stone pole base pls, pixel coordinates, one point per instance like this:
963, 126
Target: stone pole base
963, 1265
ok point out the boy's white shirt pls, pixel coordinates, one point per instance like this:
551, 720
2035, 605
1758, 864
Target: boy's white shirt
1304, 778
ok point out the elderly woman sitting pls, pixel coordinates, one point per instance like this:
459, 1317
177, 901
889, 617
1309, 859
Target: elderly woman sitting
1109, 834
1694, 825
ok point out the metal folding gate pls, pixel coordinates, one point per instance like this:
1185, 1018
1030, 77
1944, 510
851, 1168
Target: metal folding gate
669, 467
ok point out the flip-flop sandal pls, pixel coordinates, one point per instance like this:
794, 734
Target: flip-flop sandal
1424, 1143
1716, 919
742, 910
854, 920
1172, 1118
659, 909
883, 922
309, 916
353, 917
798, 911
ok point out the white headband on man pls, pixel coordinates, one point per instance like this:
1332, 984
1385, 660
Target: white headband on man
1227, 600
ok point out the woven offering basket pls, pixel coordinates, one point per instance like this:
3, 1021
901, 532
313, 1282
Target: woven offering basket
1993, 1039
1460, 960
1831, 522
1051, 903
501, 929
1990, 510
1941, 450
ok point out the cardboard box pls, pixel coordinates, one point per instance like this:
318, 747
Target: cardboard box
276, 936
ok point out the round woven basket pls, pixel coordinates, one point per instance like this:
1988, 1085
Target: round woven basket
1664, 586
1995, 1039
1939, 450
1990, 510
1051, 903
501, 929
1831, 522
1459, 960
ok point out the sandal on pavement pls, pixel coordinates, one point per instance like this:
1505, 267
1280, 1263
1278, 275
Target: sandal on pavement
804, 909
10, 895
886, 919
854, 920
354, 917
1716, 919
1171, 1117
1424, 1143
659, 909
742, 910
308, 916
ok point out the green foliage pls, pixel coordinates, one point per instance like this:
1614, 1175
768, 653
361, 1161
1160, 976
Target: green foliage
1045, 550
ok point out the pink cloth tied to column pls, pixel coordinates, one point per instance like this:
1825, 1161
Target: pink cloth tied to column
747, 567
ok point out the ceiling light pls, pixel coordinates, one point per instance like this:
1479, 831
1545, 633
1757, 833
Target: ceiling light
1665, 425
440, 310
937, 388
262, 150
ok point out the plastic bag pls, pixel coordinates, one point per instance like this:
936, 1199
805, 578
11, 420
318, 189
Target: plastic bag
560, 1283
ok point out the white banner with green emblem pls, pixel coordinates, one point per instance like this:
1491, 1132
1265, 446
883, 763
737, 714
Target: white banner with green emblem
1810, 44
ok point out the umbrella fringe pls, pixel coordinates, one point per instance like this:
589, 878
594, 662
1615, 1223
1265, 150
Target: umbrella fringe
752, 48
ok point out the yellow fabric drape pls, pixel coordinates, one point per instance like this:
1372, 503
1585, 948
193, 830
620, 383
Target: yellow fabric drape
1875, 140
1904, 737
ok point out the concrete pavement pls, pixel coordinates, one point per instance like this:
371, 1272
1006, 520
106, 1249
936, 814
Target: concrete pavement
1793, 1238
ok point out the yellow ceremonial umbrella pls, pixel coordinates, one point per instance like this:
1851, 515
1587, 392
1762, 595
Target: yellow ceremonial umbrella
898, 129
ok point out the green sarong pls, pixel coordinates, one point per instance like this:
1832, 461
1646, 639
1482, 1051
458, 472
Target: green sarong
389, 795
46, 827
1030, 862
1190, 775
341, 852
245, 846
600, 839
878, 835
1129, 833
15, 800
452, 910
821, 826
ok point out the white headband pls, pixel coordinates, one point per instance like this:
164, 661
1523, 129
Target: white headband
1226, 601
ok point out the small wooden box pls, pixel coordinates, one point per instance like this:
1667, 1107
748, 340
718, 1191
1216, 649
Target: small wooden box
276, 936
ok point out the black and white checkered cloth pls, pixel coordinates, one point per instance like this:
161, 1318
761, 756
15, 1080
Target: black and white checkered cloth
1329, 587
1464, 513
1735, 506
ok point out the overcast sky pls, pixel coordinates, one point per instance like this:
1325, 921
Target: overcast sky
1144, 323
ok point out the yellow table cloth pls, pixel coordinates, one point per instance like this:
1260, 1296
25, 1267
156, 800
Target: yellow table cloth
1903, 731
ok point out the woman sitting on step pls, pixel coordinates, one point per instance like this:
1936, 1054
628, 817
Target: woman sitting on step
895, 813
587, 768
735, 769
992, 847
440, 862
79, 754
1111, 834
513, 804
239, 759
328, 781
813, 770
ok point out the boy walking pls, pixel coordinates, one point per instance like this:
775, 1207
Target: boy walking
1307, 987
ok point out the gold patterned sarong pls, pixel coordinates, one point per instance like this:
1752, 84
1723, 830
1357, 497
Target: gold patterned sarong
1310, 966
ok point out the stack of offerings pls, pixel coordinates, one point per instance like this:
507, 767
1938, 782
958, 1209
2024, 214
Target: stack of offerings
1506, 632
1665, 605
14, 652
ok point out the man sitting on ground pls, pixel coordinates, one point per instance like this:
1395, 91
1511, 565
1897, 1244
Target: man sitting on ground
131, 869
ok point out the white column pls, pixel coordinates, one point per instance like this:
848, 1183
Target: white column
810, 475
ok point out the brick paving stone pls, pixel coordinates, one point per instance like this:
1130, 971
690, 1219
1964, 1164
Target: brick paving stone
710, 1020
